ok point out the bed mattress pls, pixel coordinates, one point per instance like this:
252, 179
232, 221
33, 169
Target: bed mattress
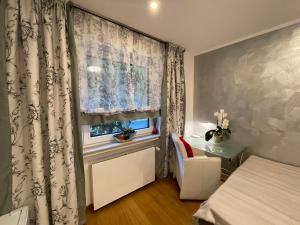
259, 192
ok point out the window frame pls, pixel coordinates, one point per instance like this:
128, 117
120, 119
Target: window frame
89, 141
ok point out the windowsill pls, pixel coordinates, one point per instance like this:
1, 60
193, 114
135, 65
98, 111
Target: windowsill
114, 149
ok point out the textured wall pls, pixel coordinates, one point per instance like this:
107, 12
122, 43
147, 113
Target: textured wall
257, 82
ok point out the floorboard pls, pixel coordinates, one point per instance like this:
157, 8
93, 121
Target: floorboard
156, 204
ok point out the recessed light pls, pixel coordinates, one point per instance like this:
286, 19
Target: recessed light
153, 5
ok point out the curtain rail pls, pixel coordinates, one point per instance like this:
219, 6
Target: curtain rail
74, 5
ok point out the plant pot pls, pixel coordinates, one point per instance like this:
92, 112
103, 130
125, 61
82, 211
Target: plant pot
221, 137
121, 138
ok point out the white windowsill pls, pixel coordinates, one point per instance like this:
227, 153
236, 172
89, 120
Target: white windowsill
115, 149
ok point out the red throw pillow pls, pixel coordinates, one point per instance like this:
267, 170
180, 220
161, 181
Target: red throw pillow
188, 148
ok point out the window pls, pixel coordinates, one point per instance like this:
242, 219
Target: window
120, 71
117, 126
120, 76
111, 81
103, 133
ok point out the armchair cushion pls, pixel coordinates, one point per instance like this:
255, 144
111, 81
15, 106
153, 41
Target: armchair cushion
198, 152
188, 148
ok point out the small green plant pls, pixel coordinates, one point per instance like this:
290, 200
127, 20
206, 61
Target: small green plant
125, 135
127, 132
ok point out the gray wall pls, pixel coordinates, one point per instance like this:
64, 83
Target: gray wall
257, 82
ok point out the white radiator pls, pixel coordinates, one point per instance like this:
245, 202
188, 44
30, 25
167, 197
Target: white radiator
114, 178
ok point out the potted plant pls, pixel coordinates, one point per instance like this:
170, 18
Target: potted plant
125, 135
222, 132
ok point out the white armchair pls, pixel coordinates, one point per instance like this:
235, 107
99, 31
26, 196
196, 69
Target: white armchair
197, 177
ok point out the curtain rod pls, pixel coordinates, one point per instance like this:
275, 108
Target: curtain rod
74, 5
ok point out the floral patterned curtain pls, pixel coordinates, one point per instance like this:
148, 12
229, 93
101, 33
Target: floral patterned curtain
173, 108
120, 71
39, 98
5, 149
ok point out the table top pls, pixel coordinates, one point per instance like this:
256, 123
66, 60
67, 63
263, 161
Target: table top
226, 149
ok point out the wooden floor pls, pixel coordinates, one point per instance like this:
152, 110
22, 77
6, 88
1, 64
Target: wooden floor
155, 204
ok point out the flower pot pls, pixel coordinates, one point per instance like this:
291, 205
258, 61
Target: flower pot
121, 138
220, 137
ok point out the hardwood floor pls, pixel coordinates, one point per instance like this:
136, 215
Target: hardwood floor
156, 204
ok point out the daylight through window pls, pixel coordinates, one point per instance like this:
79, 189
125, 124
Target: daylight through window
117, 126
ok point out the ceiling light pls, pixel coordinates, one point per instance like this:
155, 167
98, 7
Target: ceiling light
94, 69
153, 5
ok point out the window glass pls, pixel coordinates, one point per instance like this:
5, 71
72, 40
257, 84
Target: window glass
117, 126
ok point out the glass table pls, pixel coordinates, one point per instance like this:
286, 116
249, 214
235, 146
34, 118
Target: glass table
228, 150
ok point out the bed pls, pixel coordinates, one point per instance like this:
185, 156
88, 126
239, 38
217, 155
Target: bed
259, 192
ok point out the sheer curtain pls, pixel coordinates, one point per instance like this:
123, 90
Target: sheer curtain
38, 79
120, 71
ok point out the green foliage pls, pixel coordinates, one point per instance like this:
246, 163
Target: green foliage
109, 128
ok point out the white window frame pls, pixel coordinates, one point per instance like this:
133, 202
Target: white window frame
89, 141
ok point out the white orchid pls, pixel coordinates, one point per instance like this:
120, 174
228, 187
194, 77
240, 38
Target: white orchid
221, 118
216, 114
222, 129
225, 124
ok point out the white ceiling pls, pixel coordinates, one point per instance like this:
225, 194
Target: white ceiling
199, 25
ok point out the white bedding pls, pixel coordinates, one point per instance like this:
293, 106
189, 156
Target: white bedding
259, 192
